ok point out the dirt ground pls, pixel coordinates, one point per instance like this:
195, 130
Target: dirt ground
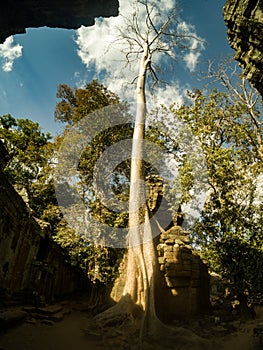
244, 339
71, 334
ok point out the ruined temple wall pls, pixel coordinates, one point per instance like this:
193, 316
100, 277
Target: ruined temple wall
17, 15
185, 275
183, 282
244, 20
15, 236
29, 259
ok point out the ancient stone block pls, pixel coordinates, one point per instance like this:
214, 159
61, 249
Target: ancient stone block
161, 260
185, 239
168, 282
244, 20
162, 268
169, 248
170, 241
28, 273
187, 266
17, 15
11, 317
182, 282
169, 255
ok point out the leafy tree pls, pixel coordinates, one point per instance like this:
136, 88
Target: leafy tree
230, 229
28, 152
77, 108
77, 103
157, 35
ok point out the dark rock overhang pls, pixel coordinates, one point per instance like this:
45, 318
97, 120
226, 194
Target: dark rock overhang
17, 15
244, 20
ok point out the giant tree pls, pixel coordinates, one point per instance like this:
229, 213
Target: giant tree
144, 41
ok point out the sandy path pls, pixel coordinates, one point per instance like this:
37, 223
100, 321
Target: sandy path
68, 334
64, 335
244, 339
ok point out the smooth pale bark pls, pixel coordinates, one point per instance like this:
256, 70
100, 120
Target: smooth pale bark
142, 261
142, 265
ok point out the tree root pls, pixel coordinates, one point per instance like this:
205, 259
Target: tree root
120, 327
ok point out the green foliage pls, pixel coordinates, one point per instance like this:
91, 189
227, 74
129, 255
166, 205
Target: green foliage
29, 158
100, 263
27, 149
77, 248
76, 103
31, 164
230, 229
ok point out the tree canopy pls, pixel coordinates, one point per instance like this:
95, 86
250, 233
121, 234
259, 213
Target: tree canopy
77, 103
27, 148
229, 231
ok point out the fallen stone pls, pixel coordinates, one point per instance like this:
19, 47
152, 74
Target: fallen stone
11, 318
56, 317
52, 317
31, 321
49, 310
170, 241
219, 331
29, 309
91, 334
47, 322
66, 312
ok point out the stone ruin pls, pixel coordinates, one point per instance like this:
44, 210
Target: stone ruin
31, 264
184, 282
33, 267
17, 15
244, 21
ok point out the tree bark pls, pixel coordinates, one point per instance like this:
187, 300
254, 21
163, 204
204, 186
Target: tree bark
142, 259
138, 292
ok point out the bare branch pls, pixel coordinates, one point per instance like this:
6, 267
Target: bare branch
150, 19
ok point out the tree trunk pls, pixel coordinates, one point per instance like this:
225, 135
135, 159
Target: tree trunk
142, 265
142, 259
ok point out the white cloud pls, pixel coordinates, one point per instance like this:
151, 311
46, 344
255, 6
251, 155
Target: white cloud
196, 45
191, 60
172, 93
9, 52
101, 51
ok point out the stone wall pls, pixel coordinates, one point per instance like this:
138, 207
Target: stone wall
182, 286
184, 277
17, 15
244, 20
31, 264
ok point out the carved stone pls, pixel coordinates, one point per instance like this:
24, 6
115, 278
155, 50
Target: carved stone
17, 15
244, 19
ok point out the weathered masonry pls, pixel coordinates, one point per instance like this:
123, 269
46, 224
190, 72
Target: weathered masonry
244, 20
31, 264
183, 283
17, 15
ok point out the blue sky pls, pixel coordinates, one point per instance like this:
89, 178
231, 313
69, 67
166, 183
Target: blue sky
35, 63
